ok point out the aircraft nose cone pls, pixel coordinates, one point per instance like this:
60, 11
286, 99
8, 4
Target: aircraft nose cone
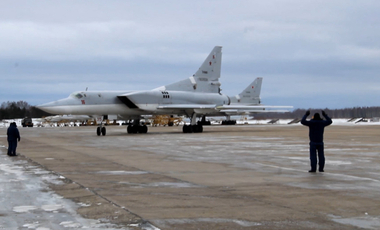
47, 107
44, 105
57, 107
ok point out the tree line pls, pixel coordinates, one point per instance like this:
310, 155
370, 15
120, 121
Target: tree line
355, 112
22, 109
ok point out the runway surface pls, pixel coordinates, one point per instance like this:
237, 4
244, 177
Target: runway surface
228, 177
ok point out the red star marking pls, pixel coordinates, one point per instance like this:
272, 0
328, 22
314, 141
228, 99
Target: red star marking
83, 102
210, 63
213, 56
253, 87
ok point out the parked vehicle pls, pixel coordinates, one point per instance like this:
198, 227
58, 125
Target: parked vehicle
27, 122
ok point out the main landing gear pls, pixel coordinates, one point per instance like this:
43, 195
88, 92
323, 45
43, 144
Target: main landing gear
132, 128
193, 127
137, 128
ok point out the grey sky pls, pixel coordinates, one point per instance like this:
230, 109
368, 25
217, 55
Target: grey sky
310, 53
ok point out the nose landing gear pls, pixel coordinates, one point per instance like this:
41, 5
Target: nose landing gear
101, 130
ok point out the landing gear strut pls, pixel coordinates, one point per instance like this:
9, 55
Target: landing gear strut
203, 121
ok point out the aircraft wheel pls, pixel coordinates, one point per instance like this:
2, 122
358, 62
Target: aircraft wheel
144, 129
200, 129
187, 129
129, 129
98, 131
135, 128
103, 131
197, 128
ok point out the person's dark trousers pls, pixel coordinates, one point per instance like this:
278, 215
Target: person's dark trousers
12, 145
9, 148
314, 147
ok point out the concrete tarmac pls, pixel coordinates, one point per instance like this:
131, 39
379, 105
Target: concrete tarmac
228, 177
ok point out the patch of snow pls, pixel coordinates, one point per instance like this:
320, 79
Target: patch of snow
36, 206
162, 184
242, 223
367, 222
20, 209
70, 224
51, 207
84, 205
122, 172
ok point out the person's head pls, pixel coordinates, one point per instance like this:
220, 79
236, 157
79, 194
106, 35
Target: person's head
317, 116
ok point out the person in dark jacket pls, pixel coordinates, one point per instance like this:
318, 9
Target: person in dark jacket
13, 136
316, 128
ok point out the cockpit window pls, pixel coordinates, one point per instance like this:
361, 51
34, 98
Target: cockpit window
77, 95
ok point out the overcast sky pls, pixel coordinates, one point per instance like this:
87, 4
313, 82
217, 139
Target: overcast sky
311, 54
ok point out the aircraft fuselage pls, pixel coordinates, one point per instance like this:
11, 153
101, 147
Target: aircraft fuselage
129, 104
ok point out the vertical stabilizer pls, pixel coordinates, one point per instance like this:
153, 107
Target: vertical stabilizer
210, 68
206, 79
251, 94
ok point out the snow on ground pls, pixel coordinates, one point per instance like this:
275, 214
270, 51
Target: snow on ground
242, 121
339, 121
27, 202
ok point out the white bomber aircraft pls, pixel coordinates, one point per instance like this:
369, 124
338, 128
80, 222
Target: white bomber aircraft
196, 96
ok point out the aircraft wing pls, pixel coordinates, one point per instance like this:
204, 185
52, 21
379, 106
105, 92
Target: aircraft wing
226, 109
187, 106
222, 107
253, 107
246, 109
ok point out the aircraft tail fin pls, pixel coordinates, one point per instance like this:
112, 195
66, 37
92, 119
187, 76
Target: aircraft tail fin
206, 79
210, 68
251, 94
